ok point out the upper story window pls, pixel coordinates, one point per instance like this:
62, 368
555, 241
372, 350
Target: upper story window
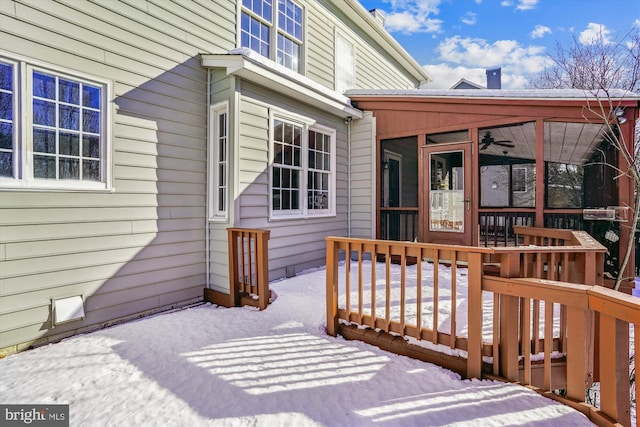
303, 169
274, 32
60, 141
345, 67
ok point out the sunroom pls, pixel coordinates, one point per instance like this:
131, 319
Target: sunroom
465, 166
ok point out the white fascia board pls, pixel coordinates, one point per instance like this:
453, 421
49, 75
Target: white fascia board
286, 82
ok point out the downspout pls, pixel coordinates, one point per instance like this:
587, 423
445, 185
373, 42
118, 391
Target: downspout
348, 121
207, 229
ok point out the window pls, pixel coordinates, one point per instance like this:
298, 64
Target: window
64, 129
319, 170
564, 185
219, 163
519, 180
303, 168
274, 32
7, 114
345, 64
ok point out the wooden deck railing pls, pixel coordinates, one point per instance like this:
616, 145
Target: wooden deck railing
510, 306
399, 224
249, 267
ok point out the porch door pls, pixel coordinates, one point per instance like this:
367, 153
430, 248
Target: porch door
446, 195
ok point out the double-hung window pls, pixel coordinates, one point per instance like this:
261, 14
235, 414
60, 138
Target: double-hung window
303, 169
55, 138
273, 28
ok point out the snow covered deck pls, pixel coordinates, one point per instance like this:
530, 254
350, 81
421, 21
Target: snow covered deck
482, 325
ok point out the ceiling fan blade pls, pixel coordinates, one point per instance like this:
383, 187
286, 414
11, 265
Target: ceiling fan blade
505, 143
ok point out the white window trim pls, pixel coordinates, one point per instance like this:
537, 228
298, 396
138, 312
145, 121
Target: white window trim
274, 31
307, 125
23, 179
215, 213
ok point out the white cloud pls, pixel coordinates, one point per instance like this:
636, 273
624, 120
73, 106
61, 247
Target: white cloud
469, 58
522, 4
594, 34
527, 4
414, 16
539, 31
406, 22
469, 18
445, 76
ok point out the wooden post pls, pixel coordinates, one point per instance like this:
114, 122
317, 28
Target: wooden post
540, 175
474, 340
509, 337
233, 267
262, 260
614, 369
332, 288
509, 267
576, 353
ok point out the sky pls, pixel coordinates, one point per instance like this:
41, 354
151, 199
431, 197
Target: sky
456, 39
211, 366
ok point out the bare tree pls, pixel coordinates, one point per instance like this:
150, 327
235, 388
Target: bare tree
595, 65
598, 66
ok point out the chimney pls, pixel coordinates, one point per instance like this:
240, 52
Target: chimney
494, 79
378, 15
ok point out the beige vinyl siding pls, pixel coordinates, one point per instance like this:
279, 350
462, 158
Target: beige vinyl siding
363, 183
375, 68
319, 45
140, 248
295, 243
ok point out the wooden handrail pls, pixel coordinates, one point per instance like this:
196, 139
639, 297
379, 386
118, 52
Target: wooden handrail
616, 311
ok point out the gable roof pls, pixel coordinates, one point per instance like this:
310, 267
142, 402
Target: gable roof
466, 84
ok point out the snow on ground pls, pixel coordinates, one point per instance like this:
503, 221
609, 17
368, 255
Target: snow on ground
210, 366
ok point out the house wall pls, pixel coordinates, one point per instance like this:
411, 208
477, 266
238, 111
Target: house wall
299, 243
363, 158
375, 68
294, 243
140, 247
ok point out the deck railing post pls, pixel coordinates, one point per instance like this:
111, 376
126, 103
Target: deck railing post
332, 287
614, 369
474, 355
233, 267
578, 352
262, 261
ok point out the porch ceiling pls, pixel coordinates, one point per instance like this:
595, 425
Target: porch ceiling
564, 142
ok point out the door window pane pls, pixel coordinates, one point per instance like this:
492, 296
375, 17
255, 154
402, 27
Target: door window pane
446, 192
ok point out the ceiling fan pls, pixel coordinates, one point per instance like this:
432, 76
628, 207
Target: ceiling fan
488, 140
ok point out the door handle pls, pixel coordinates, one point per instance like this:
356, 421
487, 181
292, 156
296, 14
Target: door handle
468, 200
